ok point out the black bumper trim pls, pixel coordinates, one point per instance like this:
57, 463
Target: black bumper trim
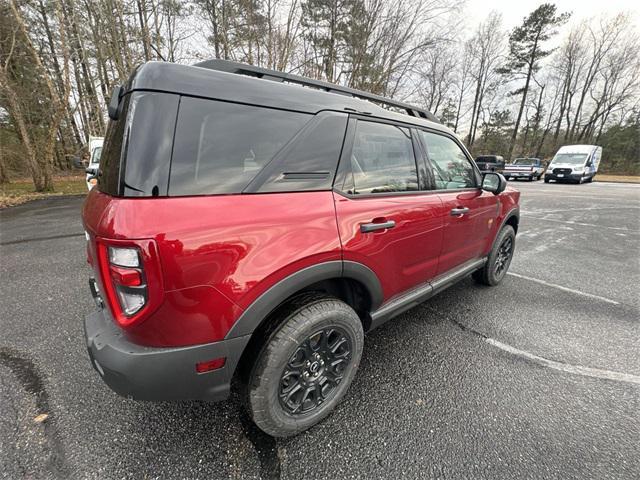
575, 177
152, 373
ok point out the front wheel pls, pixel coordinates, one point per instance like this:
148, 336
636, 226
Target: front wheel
306, 366
499, 259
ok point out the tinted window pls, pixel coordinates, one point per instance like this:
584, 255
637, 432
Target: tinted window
138, 146
451, 168
382, 159
309, 162
149, 137
109, 180
220, 147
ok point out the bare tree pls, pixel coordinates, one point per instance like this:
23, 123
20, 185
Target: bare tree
485, 48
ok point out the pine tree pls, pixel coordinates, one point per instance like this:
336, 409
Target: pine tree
526, 50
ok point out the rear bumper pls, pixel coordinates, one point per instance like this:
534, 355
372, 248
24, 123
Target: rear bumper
150, 373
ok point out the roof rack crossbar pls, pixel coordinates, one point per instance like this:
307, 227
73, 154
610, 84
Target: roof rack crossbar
259, 72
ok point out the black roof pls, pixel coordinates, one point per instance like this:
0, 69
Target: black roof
235, 82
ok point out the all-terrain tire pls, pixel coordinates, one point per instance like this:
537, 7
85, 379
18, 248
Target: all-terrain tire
499, 259
303, 320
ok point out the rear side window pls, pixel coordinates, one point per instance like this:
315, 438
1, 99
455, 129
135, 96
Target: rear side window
382, 159
220, 147
309, 162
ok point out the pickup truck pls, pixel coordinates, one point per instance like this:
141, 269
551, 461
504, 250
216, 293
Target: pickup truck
490, 163
529, 168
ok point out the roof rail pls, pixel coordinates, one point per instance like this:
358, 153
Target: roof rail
259, 72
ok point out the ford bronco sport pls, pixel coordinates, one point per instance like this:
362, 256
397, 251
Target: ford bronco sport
251, 225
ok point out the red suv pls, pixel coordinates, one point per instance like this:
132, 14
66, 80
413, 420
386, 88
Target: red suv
251, 225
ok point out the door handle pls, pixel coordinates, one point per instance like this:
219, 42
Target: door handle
458, 212
373, 227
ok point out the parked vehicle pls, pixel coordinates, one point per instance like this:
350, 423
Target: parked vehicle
574, 163
527, 168
490, 163
95, 150
253, 230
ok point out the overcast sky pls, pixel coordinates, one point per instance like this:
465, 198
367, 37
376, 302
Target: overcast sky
513, 11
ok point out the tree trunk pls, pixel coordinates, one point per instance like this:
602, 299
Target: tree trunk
13, 106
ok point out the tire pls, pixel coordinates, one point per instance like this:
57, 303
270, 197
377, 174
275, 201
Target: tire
546, 180
285, 387
495, 269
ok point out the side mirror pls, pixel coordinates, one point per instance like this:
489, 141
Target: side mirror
494, 183
91, 171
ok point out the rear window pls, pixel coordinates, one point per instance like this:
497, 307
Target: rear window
136, 153
109, 180
220, 147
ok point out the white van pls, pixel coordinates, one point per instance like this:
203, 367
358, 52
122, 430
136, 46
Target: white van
95, 150
574, 163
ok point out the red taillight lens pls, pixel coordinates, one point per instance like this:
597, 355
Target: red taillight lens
128, 277
131, 278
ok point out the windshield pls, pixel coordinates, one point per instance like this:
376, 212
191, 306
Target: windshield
570, 158
523, 161
95, 158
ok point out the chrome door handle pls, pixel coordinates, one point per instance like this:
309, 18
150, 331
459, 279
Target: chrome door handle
457, 212
373, 227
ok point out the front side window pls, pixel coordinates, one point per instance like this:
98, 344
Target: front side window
382, 159
451, 167
220, 147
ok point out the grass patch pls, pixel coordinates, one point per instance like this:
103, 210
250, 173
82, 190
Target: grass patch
603, 177
22, 190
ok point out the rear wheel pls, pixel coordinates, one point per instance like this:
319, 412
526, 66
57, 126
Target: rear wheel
499, 259
306, 366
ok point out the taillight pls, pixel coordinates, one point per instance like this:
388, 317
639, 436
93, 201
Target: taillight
131, 278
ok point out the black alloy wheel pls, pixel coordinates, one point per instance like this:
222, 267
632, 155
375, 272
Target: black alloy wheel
314, 371
504, 256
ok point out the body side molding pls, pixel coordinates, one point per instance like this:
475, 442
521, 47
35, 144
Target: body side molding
423, 292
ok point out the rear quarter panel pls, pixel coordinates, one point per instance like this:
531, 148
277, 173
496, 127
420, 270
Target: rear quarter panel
218, 253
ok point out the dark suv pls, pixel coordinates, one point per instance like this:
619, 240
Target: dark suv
250, 225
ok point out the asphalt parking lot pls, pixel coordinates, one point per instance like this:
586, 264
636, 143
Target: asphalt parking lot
537, 378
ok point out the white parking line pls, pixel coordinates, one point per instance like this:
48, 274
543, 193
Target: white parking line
571, 210
565, 367
582, 224
566, 289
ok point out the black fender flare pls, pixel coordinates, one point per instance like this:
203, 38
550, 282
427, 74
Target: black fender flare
278, 293
514, 212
